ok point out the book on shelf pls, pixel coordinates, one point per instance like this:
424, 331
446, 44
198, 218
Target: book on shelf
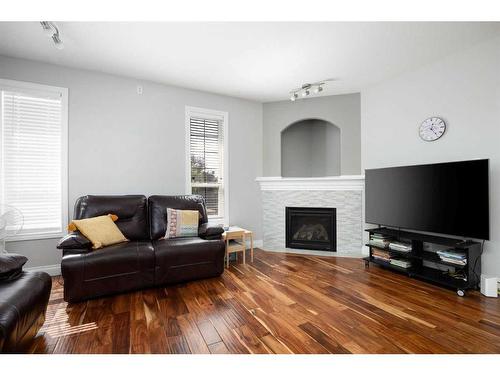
381, 255
381, 252
380, 235
400, 262
451, 253
400, 246
452, 256
459, 275
454, 261
382, 245
379, 241
383, 259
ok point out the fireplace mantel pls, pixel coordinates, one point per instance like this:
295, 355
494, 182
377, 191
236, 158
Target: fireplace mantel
347, 182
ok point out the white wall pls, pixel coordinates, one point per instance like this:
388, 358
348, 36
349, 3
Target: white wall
463, 89
124, 143
341, 110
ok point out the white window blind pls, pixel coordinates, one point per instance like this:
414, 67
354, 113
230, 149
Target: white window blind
32, 169
206, 147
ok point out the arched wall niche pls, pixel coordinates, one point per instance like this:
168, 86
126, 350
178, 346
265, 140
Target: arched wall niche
310, 148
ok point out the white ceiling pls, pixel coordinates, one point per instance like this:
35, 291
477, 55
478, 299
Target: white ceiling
258, 61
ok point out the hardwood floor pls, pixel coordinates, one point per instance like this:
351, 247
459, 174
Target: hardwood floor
282, 303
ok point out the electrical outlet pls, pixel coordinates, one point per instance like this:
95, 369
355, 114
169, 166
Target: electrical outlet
139, 90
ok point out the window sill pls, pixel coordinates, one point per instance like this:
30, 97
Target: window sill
36, 236
216, 220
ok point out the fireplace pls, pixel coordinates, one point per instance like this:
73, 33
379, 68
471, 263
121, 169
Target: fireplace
311, 228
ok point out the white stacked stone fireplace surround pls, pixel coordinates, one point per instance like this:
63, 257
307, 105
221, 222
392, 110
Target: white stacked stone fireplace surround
345, 193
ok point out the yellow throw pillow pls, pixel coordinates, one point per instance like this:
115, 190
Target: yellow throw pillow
100, 230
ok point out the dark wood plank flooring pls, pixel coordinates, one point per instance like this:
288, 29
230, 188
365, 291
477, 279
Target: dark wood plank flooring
282, 303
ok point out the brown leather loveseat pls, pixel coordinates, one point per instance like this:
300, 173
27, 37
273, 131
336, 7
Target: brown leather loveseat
146, 260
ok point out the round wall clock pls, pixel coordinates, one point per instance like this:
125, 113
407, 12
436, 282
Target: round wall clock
432, 129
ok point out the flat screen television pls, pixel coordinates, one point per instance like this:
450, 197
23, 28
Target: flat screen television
447, 198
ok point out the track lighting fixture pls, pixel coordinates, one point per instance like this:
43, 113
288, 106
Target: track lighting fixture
51, 30
307, 88
318, 89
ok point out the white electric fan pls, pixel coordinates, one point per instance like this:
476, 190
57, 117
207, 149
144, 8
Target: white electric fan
11, 222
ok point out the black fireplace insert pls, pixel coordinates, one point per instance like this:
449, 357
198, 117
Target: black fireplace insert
312, 228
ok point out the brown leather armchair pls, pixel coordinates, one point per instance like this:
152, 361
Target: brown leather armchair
146, 260
23, 303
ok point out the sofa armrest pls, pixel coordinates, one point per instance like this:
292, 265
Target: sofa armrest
210, 232
74, 242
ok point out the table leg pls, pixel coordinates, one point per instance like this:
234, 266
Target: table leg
244, 247
251, 247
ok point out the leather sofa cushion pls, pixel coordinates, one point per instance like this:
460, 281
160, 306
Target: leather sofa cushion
113, 269
11, 265
130, 209
120, 259
22, 301
179, 259
158, 205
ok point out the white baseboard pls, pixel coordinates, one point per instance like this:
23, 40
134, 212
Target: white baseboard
51, 269
258, 243
365, 250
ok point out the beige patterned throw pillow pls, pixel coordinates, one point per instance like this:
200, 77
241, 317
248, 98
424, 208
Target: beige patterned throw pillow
182, 223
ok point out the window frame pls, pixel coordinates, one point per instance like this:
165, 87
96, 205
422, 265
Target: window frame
210, 114
34, 88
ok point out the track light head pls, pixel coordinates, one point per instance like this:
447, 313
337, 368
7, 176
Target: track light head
294, 97
57, 42
318, 89
305, 93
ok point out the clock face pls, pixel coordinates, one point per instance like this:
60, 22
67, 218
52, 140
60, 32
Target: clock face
431, 129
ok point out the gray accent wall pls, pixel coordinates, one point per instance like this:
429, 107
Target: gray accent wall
341, 110
463, 89
124, 143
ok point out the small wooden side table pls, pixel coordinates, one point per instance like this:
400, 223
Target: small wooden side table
241, 233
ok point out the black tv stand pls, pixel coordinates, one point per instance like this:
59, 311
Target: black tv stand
427, 265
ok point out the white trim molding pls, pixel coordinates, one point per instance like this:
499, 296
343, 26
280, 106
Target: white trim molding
347, 182
212, 114
52, 92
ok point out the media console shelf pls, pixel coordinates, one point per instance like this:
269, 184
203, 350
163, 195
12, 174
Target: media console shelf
426, 264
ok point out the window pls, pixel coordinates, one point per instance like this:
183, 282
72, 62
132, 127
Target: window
33, 153
206, 164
